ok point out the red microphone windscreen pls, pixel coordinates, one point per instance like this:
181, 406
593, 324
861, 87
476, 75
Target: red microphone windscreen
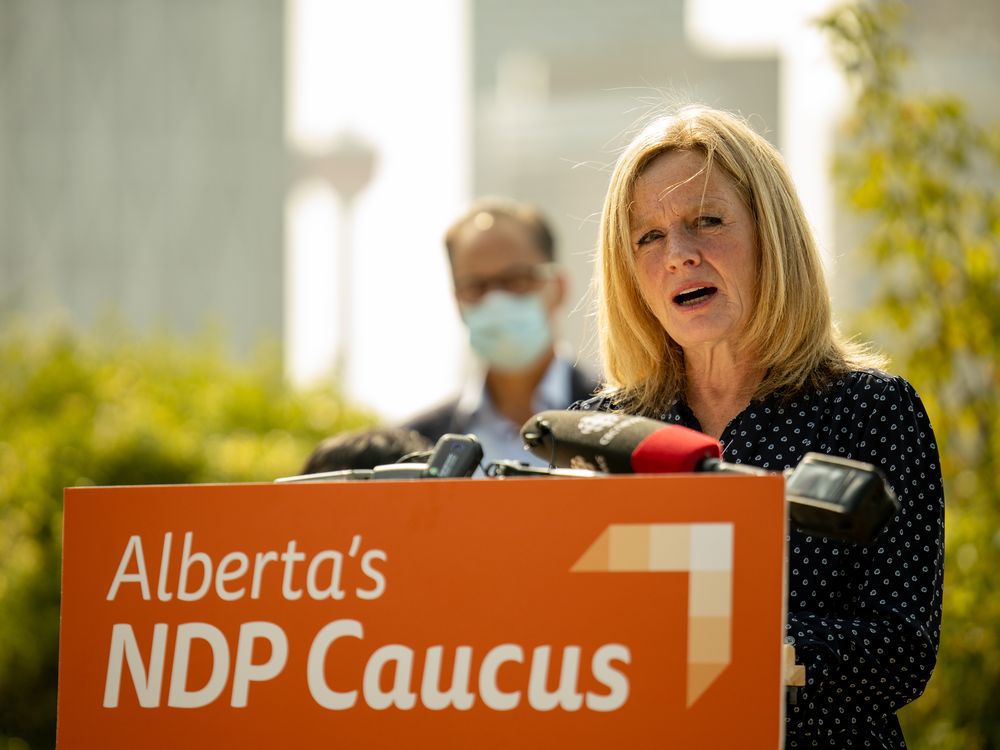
674, 449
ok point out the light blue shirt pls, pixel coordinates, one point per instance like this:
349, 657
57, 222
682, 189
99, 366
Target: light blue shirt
501, 438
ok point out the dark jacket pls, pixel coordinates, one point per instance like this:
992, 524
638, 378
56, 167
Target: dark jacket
445, 418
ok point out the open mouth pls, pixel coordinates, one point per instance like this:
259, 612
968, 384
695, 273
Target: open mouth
694, 296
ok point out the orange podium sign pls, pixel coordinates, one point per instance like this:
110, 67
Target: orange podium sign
614, 612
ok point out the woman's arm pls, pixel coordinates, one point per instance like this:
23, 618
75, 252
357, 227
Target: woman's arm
863, 667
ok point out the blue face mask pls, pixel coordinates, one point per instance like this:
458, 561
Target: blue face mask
509, 331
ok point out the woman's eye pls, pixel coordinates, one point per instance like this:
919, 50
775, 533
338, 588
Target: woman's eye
648, 237
705, 222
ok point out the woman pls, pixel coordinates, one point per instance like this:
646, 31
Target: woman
714, 314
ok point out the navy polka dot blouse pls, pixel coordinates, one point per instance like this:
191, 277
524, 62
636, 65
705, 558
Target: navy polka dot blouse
865, 620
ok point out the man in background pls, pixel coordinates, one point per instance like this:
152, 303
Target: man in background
509, 290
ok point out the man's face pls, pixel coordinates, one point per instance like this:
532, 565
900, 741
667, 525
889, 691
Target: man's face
498, 253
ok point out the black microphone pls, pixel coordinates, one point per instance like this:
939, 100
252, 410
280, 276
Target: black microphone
827, 495
454, 456
622, 444
839, 498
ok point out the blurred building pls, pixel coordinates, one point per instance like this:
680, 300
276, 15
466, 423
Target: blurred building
954, 48
142, 163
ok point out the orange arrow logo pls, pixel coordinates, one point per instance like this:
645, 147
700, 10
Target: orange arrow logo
702, 550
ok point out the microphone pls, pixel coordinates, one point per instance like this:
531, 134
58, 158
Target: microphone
839, 498
622, 444
827, 495
454, 456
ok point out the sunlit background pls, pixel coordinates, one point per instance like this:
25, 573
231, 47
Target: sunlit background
286, 170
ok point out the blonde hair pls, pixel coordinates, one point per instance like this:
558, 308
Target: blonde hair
790, 332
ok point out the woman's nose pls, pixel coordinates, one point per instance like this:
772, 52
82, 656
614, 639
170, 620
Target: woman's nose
681, 251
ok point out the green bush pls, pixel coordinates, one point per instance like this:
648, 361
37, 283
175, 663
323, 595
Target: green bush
110, 409
926, 176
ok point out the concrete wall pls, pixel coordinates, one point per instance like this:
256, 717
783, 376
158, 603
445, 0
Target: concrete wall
142, 162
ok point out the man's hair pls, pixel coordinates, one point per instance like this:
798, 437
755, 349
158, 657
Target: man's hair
524, 214
790, 333
364, 449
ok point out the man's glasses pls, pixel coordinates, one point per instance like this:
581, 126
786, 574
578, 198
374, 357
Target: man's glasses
517, 280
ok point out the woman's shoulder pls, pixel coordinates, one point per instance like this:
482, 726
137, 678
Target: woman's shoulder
873, 396
859, 395
876, 383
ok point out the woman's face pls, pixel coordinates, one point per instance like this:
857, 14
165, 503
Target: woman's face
694, 250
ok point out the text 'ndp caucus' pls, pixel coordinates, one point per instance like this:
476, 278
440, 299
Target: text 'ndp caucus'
500, 677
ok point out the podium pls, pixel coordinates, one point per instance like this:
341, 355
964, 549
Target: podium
626, 612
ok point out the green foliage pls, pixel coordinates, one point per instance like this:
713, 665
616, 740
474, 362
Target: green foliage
111, 410
927, 177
